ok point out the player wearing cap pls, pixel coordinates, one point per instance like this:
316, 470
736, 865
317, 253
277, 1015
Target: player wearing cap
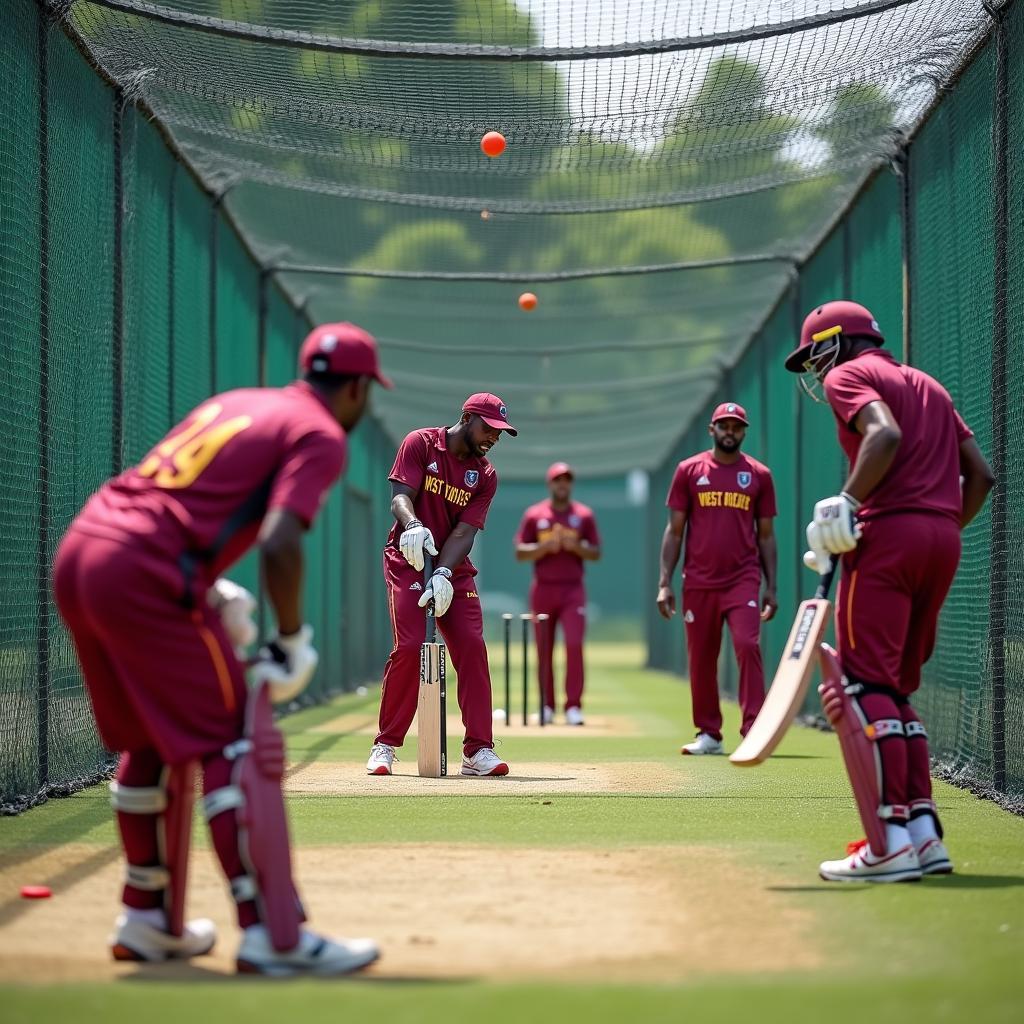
896, 525
558, 535
136, 582
442, 485
724, 502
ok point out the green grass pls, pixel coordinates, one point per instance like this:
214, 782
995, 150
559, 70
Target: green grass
941, 950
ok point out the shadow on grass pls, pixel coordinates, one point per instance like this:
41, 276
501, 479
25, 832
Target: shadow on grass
192, 973
954, 881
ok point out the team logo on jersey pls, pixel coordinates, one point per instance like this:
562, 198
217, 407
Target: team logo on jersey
743, 479
416, 586
574, 521
751, 604
472, 477
703, 481
688, 617
432, 468
543, 524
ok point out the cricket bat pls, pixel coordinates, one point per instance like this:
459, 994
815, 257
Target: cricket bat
432, 754
792, 677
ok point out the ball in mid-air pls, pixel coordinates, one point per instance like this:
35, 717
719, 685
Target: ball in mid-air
527, 301
493, 144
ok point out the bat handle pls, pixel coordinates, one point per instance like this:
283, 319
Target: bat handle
825, 582
428, 571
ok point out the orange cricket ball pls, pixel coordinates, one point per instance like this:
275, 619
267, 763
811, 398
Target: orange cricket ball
527, 301
493, 144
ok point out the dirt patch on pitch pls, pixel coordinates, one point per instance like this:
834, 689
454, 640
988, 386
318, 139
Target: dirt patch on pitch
554, 777
648, 914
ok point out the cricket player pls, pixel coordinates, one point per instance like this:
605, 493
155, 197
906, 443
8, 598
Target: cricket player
442, 486
136, 580
896, 526
558, 535
724, 503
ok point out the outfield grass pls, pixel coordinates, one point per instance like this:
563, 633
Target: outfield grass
944, 949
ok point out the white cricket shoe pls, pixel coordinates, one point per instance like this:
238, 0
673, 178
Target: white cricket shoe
484, 762
934, 858
137, 937
315, 954
547, 715
382, 756
862, 865
573, 716
703, 744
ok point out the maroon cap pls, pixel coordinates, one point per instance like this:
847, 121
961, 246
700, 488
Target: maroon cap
491, 409
851, 318
344, 349
557, 469
730, 410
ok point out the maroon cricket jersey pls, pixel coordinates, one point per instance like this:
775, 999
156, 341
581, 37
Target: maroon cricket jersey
537, 526
448, 490
925, 475
203, 491
722, 503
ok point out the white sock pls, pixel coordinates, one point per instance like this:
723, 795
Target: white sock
155, 916
896, 836
922, 828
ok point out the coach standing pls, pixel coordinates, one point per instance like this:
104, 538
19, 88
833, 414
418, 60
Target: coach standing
724, 503
442, 486
558, 535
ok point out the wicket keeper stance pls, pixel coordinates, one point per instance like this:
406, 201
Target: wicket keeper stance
896, 525
442, 486
136, 582
724, 503
558, 535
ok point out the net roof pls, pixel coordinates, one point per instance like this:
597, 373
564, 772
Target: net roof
668, 164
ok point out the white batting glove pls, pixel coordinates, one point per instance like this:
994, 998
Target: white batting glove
439, 590
817, 558
287, 663
416, 539
236, 606
838, 529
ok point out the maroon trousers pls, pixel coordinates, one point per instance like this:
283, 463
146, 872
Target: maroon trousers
704, 614
462, 628
566, 605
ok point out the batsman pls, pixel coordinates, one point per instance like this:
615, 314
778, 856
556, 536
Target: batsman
442, 485
917, 478
136, 580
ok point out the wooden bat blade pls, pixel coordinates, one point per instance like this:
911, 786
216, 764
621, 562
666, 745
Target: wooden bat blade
789, 687
432, 756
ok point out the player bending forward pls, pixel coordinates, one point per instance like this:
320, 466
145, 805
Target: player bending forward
442, 486
136, 582
897, 526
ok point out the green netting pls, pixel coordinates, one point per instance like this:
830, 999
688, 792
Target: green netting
951, 337
80, 377
1009, 390
21, 677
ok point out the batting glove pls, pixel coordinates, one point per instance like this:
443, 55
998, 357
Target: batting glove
416, 539
838, 529
287, 663
439, 590
236, 606
818, 558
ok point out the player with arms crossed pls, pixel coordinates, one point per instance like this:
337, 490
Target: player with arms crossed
724, 502
442, 486
136, 582
896, 523
558, 535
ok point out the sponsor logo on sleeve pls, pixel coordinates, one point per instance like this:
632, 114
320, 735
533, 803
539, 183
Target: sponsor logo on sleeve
472, 477
688, 617
743, 478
